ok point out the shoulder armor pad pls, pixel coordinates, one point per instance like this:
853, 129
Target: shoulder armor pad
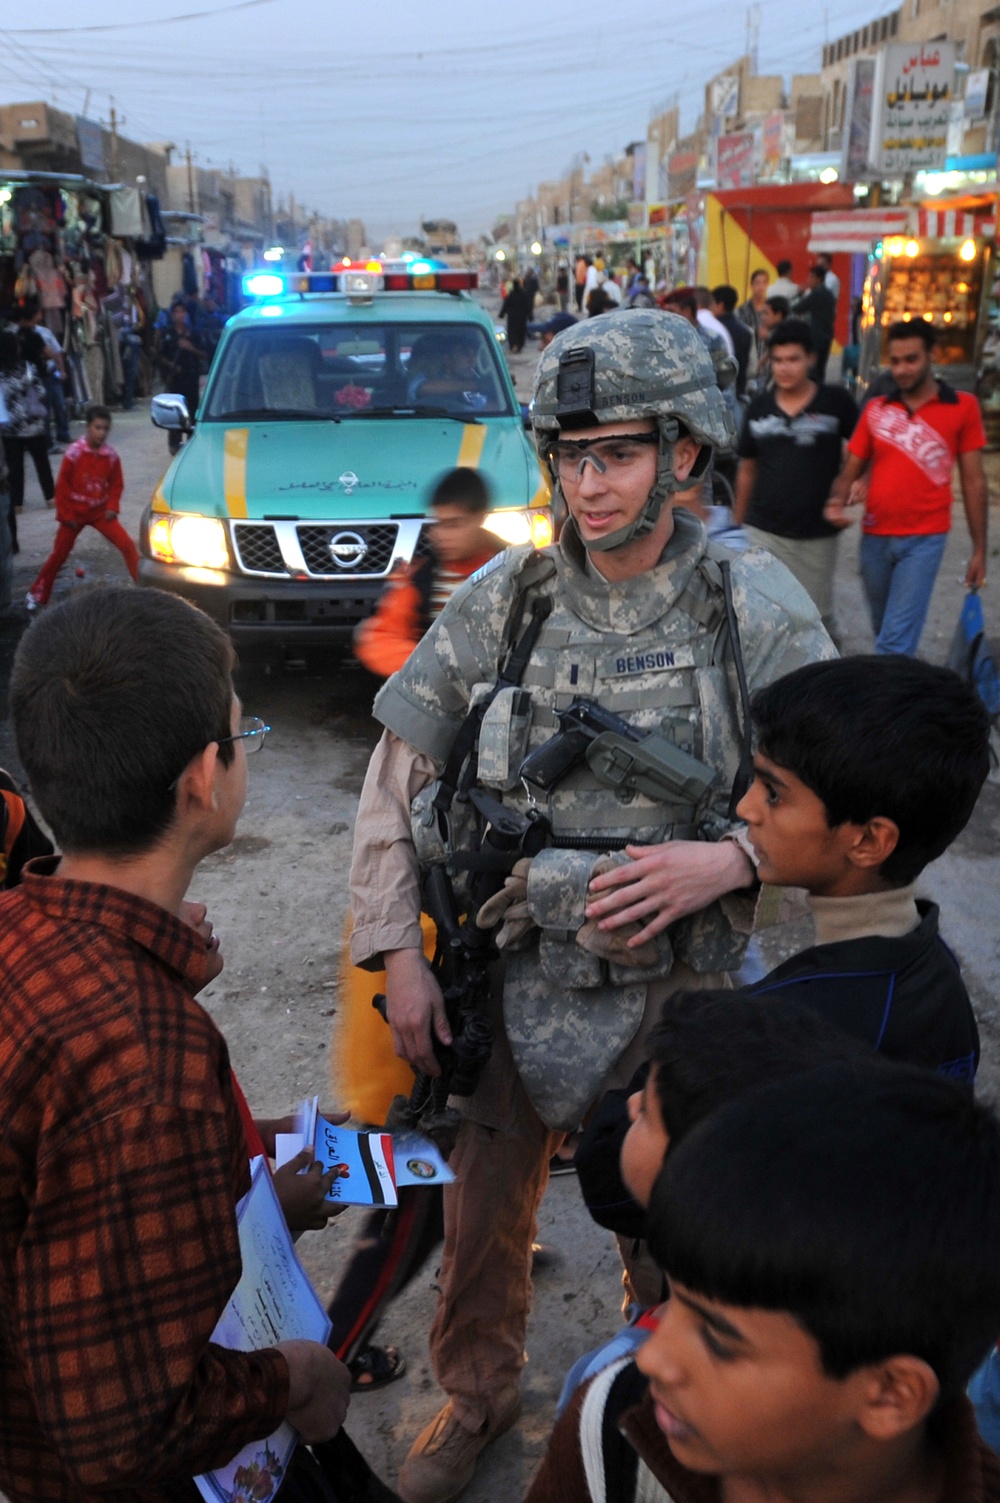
484, 569
523, 563
760, 573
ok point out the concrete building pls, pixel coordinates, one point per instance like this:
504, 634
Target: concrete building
37, 137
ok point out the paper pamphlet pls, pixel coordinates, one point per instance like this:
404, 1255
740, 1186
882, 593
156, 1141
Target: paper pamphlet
365, 1159
377, 1162
273, 1301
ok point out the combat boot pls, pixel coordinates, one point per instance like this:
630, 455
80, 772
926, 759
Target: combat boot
443, 1457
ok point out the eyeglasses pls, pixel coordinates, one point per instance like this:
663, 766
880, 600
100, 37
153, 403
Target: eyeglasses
252, 730
612, 456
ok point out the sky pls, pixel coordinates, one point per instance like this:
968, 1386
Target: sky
389, 111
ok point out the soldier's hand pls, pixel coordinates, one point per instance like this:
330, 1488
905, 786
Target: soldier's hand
666, 882
413, 1005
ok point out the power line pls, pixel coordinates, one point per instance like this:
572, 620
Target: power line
191, 15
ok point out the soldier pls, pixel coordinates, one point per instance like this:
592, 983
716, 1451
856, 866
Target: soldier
635, 610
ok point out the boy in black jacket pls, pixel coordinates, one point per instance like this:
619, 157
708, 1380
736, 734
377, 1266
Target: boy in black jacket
866, 770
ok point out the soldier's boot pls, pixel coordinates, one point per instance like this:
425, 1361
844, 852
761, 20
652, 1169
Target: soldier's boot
443, 1457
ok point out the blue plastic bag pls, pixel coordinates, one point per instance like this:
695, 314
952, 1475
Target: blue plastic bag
970, 653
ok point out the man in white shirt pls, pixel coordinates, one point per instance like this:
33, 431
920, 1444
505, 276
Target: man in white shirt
708, 320
783, 286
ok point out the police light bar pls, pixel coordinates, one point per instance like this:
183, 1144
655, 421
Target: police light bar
358, 280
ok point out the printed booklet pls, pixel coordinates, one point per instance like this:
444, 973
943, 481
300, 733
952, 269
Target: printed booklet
372, 1163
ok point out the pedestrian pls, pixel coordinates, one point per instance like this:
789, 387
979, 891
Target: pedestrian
24, 421
531, 285
595, 277
550, 328
791, 450
709, 321
774, 310
598, 302
516, 309
750, 311
128, 321
612, 291
416, 593
641, 296
832, 281
88, 494
580, 280
29, 323
818, 306
723, 307
783, 286
129, 729
629, 606
562, 286
683, 302
903, 451
182, 360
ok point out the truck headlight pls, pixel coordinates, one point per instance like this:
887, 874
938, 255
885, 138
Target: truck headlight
184, 539
530, 525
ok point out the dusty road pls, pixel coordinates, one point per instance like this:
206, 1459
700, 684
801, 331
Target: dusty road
279, 897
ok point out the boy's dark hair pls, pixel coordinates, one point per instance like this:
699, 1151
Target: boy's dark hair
784, 268
725, 295
862, 1199
26, 308
818, 271
886, 735
759, 271
779, 304
112, 693
711, 1046
916, 328
97, 410
463, 487
791, 331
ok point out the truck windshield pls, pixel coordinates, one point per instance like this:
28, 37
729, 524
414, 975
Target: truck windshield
345, 370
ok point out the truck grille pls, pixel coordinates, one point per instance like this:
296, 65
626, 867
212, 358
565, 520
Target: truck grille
257, 549
374, 557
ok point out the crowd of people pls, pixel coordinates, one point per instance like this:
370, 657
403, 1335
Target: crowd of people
609, 754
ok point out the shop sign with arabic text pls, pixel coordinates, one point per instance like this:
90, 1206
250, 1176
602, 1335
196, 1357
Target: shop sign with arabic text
914, 89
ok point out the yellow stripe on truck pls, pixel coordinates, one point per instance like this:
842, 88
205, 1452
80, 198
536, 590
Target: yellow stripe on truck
234, 470
470, 450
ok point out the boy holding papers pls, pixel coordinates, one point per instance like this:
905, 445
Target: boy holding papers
122, 1148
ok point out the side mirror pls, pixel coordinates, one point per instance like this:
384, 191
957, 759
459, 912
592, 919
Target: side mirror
169, 410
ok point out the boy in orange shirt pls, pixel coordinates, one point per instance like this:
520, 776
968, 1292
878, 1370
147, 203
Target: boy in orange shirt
88, 494
420, 590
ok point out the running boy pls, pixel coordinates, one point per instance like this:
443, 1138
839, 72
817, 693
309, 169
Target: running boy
88, 494
122, 1148
418, 592
831, 1243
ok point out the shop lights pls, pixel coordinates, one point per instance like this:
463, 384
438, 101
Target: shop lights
967, 250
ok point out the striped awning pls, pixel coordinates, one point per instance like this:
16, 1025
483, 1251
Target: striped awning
856, 230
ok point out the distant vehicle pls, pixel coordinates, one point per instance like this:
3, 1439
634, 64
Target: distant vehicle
334, 402
443, 241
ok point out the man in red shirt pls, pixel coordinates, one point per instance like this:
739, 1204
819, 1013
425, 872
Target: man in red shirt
906, 445
88, 494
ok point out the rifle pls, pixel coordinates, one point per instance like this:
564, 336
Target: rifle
463, 962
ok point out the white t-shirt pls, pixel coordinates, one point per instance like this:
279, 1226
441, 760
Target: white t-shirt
710, 322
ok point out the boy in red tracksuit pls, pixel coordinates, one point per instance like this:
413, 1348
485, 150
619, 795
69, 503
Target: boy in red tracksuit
88, 494
419, 591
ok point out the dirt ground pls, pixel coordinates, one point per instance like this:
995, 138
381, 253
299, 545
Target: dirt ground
279, 897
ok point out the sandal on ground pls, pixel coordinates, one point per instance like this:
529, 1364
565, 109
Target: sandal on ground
375, 1367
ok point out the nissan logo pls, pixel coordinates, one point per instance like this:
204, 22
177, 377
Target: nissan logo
347, 549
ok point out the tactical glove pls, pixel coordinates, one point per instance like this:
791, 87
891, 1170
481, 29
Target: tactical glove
509, 907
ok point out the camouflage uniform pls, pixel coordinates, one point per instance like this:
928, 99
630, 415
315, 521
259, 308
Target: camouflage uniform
655, 650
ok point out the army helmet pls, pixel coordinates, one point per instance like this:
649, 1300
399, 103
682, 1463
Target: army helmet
633, 363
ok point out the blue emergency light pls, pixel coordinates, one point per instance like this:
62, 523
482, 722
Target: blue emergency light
360, 280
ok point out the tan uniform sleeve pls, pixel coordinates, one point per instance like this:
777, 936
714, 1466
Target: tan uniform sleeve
385, 888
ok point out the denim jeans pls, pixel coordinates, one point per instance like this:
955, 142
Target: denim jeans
984, 1391
57, 406
898, 575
